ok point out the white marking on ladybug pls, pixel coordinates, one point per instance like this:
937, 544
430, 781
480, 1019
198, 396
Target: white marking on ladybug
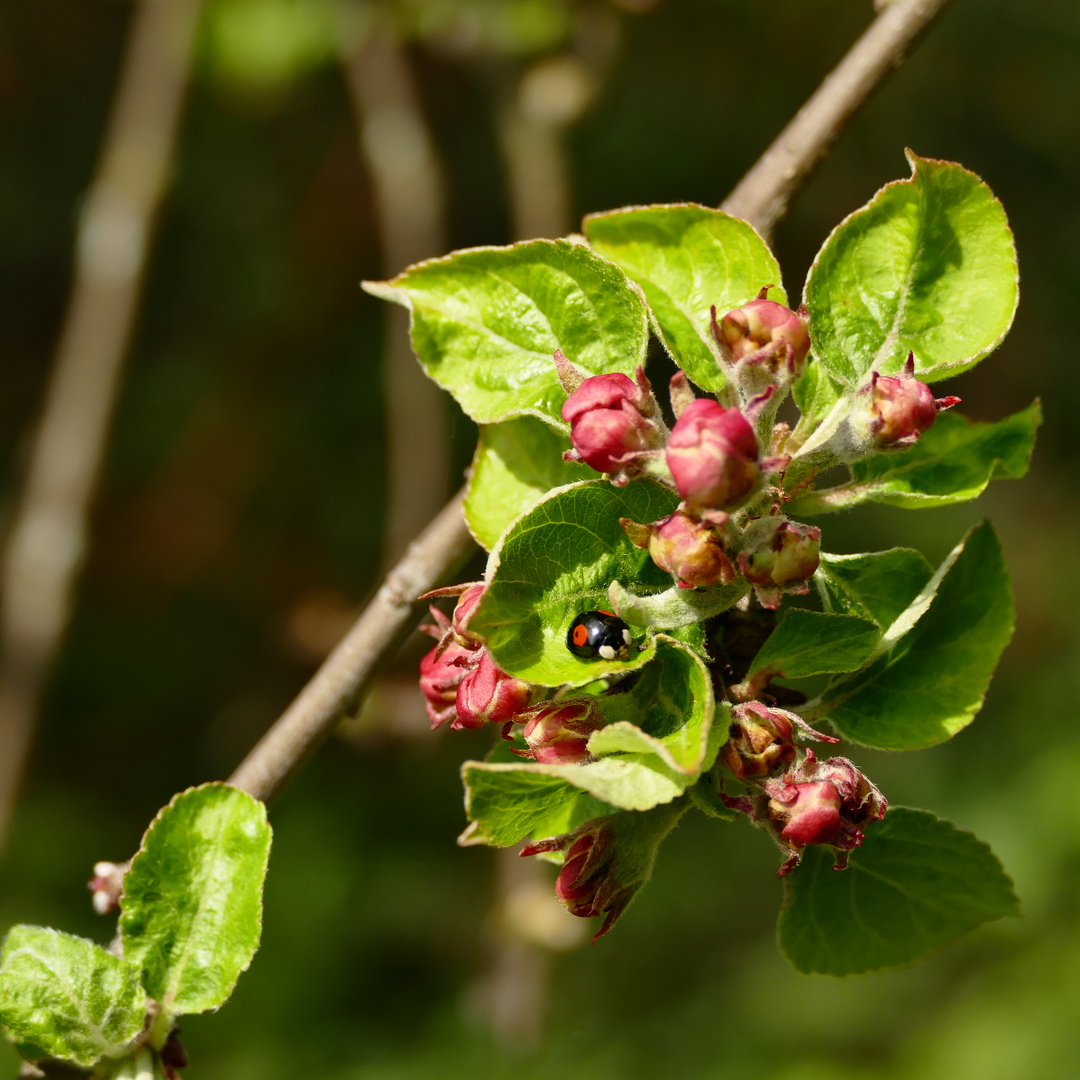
626, 637
607, 652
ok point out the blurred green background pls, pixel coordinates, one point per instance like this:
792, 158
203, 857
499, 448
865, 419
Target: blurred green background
241, 511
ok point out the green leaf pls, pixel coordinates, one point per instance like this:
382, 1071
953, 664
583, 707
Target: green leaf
558, 561
487, 321
916, 883
815, 394
937, 656
687, 258
927, 266
812, 643
68, 996
878, 585
667, 712
516, 463
510, 803
191, 911
951, 463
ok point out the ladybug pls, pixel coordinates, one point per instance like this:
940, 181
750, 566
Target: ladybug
599, 634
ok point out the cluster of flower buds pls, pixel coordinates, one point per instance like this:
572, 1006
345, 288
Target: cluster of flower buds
460, 682
106, 885
557, 732
889, 413
615, 422
811, 802
762, 344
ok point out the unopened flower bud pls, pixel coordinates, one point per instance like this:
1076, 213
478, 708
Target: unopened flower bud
686, 547
613, 420
761, 740
784, 559
766, 342
807, 813
441, 673
713, 456
466, 605
558, 731
487, 695
892, 411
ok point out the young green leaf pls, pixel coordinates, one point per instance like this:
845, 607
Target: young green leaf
510, 804
667, 712
191, 911
487, 321
953, 462
687, 258
878, 585
557, 562
916, 883
516, 463
940, 653
815, 394
927, 266
812, 643
68, 996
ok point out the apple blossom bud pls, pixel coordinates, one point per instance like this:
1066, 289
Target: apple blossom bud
892, 411
713, 456
441, 673
466, 605
558, 731
807, 813
487, 695
762, 740
765, 342
686, 547
614, 420
784, 559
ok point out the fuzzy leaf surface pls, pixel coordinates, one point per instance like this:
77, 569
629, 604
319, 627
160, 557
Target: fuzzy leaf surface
516, 463
927, 266
812, 643
191, 912
668, 712
557, 562
686, 258
942, 651
916, 883
815, 394
510, 804
486, 322
67, 996
878, 585
953, 462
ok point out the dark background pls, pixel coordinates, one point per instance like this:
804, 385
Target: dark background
245, 484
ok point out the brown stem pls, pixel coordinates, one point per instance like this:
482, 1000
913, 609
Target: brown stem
763, 194
386, 621
48, 534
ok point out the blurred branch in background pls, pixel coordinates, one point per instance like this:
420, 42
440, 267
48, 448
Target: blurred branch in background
763, 194
410, 205
48, 535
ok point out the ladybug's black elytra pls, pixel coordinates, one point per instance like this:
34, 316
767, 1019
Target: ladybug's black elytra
599, 634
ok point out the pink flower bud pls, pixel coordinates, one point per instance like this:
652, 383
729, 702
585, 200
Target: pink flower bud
713, 456
613, 420
893, 411
686, 547
487, 695
759, 741
558, 731
767, 342
441, 673
590, 880
786, 558
806, 813
466, 605
106, 886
